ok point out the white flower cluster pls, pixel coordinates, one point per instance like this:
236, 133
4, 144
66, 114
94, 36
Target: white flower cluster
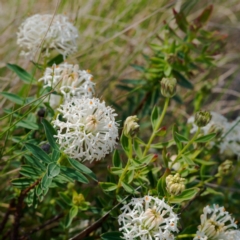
228, 133
217, 224
147, 218
88, 130
46, 32
68, 80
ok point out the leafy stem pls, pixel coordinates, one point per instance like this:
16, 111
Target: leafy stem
127, 165
186, 147
166, 103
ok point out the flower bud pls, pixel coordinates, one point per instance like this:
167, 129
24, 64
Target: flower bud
131, 127
225, 168
175, 184
202, 118
168, 87
78, 199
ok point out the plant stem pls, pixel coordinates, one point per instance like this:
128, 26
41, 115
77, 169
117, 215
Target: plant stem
157, 126
127, 165
186, 147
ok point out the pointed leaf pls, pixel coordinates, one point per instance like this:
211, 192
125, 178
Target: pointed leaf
205, 138
13, 98
187, 194
53, 170
50, 132
38, 152
116, 160
154, 117
108, 186
22, 74
82, 168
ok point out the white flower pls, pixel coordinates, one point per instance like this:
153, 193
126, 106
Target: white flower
147, 218
88, 130
228, 134
216, 224
234, 235
68, 80
46, 32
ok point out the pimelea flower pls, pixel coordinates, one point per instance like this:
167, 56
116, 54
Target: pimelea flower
216, 224
68, 80
88, 130
147, 218
46, 32
227, 133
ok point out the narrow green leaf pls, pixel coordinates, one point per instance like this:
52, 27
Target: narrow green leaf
22, 74
38, 152
31, 172
82, 168
205, 162
65, 198
137, 148
124, 142
161, 184
187, 194
46, 182
116, 170
116, 160
13, 98
133, 81
147, 159
112, 236
128, 188
177, 141
205, 138
181, 20
50, 132
138, 68
72, 214
154, 117
53, 170
73, 174
35, 162
27, 125
211, 191
56, 60
108, 186
162, 145
182, 81
187, 160
22, 183
181, 138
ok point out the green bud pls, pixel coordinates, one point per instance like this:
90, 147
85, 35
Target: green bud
175, 184
78, 199
202, 118
168, 87
131, 127
225, 168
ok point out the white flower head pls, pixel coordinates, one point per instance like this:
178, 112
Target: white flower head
88, 130
68, 80
228, 133
216, 224
147, 218
46, 32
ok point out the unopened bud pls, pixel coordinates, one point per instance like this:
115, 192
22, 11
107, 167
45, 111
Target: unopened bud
78, 199
175, 184
168, 87
202, 118
225, 168
131, 127
216, 128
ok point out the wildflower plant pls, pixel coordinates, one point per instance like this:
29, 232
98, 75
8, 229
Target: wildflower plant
76, 166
